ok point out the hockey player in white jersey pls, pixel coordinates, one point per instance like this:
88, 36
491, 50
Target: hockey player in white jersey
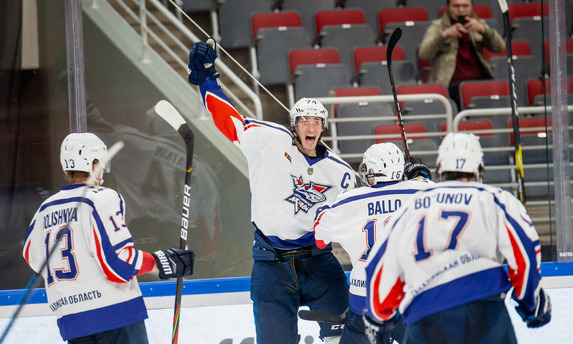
290, 175
442, 265
358, 217
90, 277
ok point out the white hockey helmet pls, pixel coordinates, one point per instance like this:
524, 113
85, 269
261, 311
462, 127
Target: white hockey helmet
79, 150
308, 107
386, 161
460, 152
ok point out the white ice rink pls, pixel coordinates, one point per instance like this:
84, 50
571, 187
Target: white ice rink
233, 324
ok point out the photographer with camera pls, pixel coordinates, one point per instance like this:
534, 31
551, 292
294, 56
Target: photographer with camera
455, 42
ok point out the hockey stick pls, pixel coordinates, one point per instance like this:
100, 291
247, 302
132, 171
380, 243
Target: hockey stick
514, 114
391, 44
174, 118
305, 314
35, 280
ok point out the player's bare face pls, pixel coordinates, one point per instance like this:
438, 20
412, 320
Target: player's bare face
308, 130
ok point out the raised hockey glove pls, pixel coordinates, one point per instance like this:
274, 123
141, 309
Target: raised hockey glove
541, 315
379, 333
202, 62
416, 168
174, 262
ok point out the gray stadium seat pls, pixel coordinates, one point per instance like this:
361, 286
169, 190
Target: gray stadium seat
307, 10
376, 74
371, 8
359, 128
273, 43
197, 5
346, 38
317, 81
412, 35
235, 21
526, 67
530, 29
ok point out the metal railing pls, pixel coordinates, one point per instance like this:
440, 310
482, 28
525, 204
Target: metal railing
390, 118
159, 30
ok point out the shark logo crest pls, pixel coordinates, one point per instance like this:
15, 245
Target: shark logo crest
305, 196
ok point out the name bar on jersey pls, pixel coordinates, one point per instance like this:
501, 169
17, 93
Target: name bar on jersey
62, 216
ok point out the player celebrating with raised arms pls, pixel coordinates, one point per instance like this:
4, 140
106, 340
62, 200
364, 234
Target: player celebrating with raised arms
442, 265
357, 218
90, 276
290, 175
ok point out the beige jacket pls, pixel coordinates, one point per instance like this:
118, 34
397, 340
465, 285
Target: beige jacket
443, 52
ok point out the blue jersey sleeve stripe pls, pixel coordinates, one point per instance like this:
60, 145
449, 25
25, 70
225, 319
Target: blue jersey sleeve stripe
267, 124
67, 200
121, 268
213, 87
343, 163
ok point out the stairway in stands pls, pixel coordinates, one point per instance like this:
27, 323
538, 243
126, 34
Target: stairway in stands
272, 110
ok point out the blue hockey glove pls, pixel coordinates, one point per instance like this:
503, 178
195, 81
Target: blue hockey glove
541, 315
416, 168
379, 333
174, 262
202, 62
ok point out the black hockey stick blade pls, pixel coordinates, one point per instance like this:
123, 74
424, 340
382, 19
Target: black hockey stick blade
396, 35
518, 153
305, 314
166, 111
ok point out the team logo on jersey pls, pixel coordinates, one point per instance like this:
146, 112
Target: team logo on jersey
310, 171
305, 196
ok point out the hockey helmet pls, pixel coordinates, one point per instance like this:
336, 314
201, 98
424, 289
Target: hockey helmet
385, 160
460, 152
79, 150
308, 107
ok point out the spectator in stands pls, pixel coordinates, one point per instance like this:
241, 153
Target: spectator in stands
455, 42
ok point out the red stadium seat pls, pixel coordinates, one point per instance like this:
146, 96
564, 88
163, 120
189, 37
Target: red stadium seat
424, 88
401, 15
546, 51
518, 48
338, 17
299, 57
482, 11
527, 10
375, 54
469, 89
427, 88
274, 20
354, 92
531, 126
478, 125
412, 128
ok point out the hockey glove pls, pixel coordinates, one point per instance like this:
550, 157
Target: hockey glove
379, 333
541, 315
174, 262
416, 168
202, 62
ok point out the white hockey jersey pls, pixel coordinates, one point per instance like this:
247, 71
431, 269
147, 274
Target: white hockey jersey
286, 186
447, 248
90, 277
356, 219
